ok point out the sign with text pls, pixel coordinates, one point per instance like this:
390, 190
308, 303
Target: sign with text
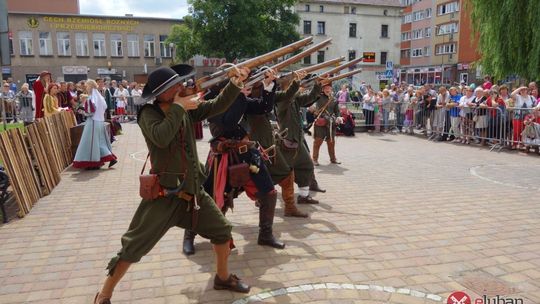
90, 23
369, 57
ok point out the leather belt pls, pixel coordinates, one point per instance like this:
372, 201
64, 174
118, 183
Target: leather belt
240, 146
176, 192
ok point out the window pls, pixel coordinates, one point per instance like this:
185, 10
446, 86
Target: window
384, 31
45, 44
406, 19
321, 8
448, 48
307, 59
25, 43
405, 53
116, 45
448, 8
133, 45
346, 10
81, 44
352, 30
321, 28
405, 36
383, 57
417, 34
416, 52
418, 15
165, 50
149, 46
427, 51
427, 32
99, 45
353, 10
64, 44
447, 28
352, 55
320, 56
307, 8
307, 27
428, 13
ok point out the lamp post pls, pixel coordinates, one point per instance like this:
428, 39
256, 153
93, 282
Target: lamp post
173, 49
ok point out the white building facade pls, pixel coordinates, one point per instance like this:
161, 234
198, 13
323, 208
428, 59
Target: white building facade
369, 28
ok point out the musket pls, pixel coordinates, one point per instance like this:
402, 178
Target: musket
332, 71
277, 67
315, 67
222, 74
340, 76
344, 66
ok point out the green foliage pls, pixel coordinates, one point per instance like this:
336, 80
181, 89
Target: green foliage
509, 37
187, 44
238, 29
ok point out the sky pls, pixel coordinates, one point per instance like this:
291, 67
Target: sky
140, 8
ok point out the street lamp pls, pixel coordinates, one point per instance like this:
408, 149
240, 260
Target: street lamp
172, 49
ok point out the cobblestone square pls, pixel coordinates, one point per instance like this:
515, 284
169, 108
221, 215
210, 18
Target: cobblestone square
403, 220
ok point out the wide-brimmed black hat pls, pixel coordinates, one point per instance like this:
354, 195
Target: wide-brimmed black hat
163, 78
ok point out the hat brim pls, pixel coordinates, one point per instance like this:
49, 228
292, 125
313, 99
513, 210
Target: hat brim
149, 95
183, 71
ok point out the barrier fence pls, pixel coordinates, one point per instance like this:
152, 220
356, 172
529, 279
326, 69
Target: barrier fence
497, 127
35, 156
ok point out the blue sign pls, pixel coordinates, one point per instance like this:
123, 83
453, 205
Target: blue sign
389, 65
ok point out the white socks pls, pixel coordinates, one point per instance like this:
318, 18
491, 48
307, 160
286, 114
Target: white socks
303, 191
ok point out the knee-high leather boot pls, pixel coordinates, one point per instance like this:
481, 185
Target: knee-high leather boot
188, 247
266, 220
317, 142
287, 192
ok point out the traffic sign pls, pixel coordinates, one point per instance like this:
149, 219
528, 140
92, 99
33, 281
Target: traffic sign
389, 65
386, 75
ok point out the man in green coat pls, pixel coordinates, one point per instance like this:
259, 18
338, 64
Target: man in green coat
292, 145
167, 126
281, 168
327, 110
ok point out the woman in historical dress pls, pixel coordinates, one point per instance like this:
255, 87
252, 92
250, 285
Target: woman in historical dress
95, 147
39, 87
50, 101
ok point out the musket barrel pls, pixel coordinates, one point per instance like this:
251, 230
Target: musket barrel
260, 76
221, 75
344, 66
341, 76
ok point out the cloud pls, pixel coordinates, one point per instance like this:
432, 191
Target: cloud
143, 8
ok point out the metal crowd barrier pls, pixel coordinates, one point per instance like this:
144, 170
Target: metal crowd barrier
496, 127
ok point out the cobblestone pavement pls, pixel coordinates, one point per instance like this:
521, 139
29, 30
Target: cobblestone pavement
404, 221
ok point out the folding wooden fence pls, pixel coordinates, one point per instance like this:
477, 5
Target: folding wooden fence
35, 156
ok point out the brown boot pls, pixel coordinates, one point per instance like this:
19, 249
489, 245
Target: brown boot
317, 142
314, 185
332, 151
307, 200
287, 192
102, 301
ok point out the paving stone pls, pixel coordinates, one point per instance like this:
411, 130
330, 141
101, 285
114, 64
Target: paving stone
401, 220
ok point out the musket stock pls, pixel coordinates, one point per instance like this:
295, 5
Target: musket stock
219, 76
277, 67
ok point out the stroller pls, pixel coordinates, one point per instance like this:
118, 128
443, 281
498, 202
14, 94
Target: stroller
531, 133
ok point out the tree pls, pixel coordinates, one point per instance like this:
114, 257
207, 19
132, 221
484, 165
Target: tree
509, 37
187, 44
238, 29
